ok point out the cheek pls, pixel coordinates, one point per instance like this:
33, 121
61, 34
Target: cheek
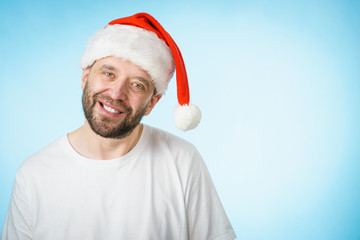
96, 87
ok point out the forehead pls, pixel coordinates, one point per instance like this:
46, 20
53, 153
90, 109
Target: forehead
121, 65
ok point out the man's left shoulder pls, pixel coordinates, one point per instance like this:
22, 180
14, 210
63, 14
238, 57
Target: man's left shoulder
183, 153
170, 140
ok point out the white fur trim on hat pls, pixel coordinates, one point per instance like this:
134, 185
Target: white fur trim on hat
139, 46
186, 117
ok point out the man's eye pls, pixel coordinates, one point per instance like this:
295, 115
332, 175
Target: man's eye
109, 74
138, 86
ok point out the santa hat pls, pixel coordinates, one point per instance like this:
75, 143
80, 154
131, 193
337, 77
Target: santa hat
141, 40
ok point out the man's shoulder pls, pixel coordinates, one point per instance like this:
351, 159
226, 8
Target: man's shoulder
168, 146
168, 139
51, 151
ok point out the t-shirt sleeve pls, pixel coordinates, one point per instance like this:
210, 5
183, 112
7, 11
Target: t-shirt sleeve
18, 222
206, 215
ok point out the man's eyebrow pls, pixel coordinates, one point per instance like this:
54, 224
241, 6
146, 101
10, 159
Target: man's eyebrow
107, 67
112, 68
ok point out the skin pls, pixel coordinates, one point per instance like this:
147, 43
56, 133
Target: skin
121, 85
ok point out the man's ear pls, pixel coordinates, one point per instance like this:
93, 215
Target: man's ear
153, 101
84, 77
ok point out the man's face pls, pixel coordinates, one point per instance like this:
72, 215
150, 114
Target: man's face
116, 95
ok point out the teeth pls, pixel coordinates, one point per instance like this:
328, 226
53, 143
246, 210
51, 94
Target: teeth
109, 109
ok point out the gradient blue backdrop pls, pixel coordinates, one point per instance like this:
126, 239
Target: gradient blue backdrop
278, 83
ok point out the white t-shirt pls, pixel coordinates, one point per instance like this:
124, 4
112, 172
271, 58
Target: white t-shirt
160, 190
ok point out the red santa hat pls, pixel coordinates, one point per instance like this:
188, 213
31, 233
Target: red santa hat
141, 40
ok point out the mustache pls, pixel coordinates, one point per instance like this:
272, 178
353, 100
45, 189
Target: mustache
115, 102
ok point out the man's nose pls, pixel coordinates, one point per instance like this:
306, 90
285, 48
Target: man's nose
119, 89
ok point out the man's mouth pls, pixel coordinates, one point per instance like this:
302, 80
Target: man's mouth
109, 109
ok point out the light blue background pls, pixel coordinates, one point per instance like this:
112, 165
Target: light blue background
278, 83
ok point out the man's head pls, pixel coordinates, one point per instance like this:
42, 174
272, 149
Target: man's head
116, 95
142, 41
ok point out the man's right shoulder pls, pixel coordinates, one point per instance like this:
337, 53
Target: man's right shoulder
45, 156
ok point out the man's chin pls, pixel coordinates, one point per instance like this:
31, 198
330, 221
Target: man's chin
112, 131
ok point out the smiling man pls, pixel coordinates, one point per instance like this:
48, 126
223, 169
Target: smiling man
115, 178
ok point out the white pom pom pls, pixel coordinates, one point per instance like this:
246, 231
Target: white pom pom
186, 117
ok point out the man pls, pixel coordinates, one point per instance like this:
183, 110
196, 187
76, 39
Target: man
114, 178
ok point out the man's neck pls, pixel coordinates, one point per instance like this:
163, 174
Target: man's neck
88, 144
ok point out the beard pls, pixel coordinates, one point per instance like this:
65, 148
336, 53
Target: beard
104, 126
